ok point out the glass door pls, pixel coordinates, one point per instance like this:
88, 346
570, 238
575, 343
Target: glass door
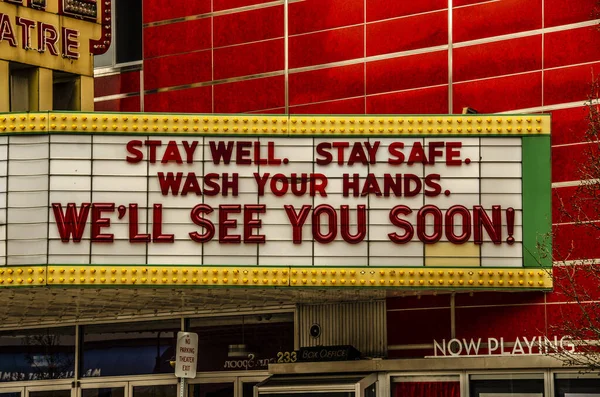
246, 385
49, 391
104, 389
12, 392
212, 387
165, 388
426, 386
367, 387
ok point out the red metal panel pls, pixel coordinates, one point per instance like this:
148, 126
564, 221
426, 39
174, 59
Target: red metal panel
403, 73
561, 12
161, 10
248, 26
460, 3
500, 94
419, 302
311, 15
268, 111
121, 83
384, 9
192, 100
193, 67
570, 84
425, 326
176, 38
497, 58
249, 59
326, 47
575, 242
569, 47
255, 94
575, 318
220, 5
567, 160
421, 101
129, 104
496, 18
498, 298
419, 31
569, 125
508, 322
342, 106
326, 84
575, 204
576, 279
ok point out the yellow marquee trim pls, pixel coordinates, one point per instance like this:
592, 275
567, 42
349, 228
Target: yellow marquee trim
100, 276
245, 124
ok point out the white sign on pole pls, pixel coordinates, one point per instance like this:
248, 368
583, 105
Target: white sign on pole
186, 355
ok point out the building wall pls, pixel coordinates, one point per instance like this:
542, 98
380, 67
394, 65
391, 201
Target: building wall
377, 57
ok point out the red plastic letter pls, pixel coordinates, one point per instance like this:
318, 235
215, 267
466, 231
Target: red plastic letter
197, 218
134, 235
466, 224
225, 223
401, 223
98, 223
297, 220
332, 223
71, 224
361, 233
157, 235
422, 224
251, 223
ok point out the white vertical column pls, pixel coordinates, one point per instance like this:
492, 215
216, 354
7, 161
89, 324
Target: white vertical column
3, 196
70, 182
27, 213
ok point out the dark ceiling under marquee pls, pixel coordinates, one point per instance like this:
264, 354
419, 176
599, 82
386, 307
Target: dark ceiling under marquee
28, 307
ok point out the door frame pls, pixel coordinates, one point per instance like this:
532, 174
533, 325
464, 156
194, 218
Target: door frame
62, 386
162, 382
248, 379
103, 385
13, 389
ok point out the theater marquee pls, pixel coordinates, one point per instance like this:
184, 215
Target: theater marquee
409, 202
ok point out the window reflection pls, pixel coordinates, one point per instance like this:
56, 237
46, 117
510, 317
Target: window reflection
103, 392
155, 391
129, 348
509, 385
242, 343
37, 354
571, 385
211, 390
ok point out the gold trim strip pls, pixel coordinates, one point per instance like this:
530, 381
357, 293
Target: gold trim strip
22, 276
415, 278
244, 124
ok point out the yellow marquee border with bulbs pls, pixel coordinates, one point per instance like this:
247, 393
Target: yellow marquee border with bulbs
99, 276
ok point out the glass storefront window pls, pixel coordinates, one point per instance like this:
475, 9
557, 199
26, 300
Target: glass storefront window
507, 385
104, 392
156, 391
37, 354
426, 386
243, 343
576, 385
129, 348
211, 390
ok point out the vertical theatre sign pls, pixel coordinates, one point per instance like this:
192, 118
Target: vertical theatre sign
55, 34
425, 201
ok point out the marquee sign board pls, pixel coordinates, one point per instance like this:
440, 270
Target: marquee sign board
300, 201
55, 34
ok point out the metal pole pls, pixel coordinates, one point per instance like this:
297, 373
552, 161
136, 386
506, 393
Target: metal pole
182, 387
